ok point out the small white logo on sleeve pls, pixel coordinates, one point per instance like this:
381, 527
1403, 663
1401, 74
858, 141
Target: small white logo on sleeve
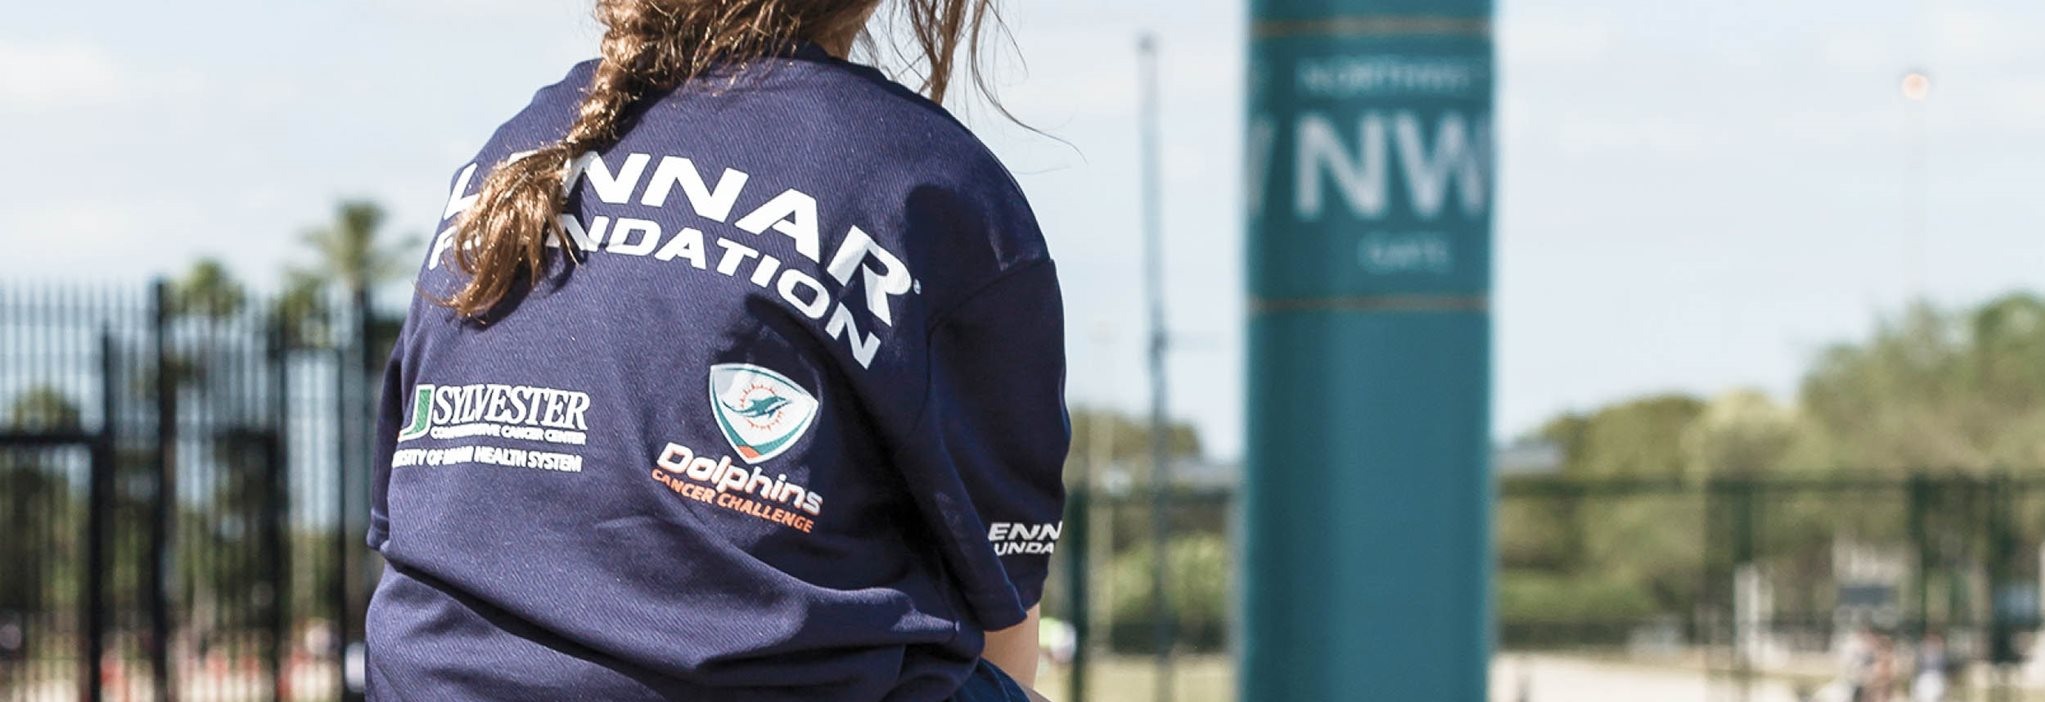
761, 412
1012, 538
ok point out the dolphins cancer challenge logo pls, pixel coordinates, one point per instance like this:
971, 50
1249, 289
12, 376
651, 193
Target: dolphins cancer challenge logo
761, 412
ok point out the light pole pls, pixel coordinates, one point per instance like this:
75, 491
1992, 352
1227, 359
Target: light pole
1160, 459
1916, 91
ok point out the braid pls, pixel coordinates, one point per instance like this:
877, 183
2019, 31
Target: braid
617, 84
504, 236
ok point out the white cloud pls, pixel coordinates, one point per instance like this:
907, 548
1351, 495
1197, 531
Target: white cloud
1639, 133
1859, 49
1876, 128
1073, 73
1968, 37
474, 10
1998, 104
101, 239
56, 76
73, 238
1555, 40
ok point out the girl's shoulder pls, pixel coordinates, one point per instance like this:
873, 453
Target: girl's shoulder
878, 120
893, 149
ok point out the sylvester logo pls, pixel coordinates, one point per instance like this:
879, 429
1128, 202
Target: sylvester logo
761, 412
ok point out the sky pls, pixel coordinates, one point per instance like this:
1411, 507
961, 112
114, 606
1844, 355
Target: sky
1694, 195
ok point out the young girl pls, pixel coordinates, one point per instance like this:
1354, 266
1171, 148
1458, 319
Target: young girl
736, 374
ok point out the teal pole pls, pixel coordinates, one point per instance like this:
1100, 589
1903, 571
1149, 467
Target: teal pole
1367, 545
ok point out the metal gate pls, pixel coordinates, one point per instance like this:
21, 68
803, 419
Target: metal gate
1788, 586
1875, 570
174, 492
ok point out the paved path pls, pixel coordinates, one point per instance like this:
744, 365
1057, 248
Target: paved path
1544, 678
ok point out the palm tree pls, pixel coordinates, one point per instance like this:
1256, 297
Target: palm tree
350, 255
208, 290
351, 258
208, 293
209, 538
302, 309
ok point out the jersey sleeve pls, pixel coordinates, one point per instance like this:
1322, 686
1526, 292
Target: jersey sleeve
986, 457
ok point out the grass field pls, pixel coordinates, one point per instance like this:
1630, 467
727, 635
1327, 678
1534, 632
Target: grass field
1133, 679
1514, 678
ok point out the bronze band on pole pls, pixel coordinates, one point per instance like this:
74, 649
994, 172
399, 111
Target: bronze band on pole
1375, 303
1373, 26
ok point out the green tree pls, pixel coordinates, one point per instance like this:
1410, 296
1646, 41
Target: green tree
351, 255
1648, 543
1929, 390
2009, 368
302, 310
1891, 403
1197, 590
1743, 434
218, 537
349, 252
1115, 438
38, 512
1636, 439
1936, 390
207, 295
43, 408
208, 291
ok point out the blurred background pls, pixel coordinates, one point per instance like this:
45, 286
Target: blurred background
1768, 419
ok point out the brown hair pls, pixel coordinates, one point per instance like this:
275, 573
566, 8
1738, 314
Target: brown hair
651, 46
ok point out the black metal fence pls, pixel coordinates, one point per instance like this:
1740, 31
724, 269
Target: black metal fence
1102, 584
1795, 583
183, 475
183, 483
178, 473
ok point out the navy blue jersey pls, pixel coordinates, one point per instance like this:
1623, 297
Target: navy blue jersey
789, 425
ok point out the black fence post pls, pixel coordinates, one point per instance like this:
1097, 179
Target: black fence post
1744, 517
1077, 573
1920, 537
369, 374
342, 637
277, 509
163, 513
98, 494
357, 426
2005, 652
